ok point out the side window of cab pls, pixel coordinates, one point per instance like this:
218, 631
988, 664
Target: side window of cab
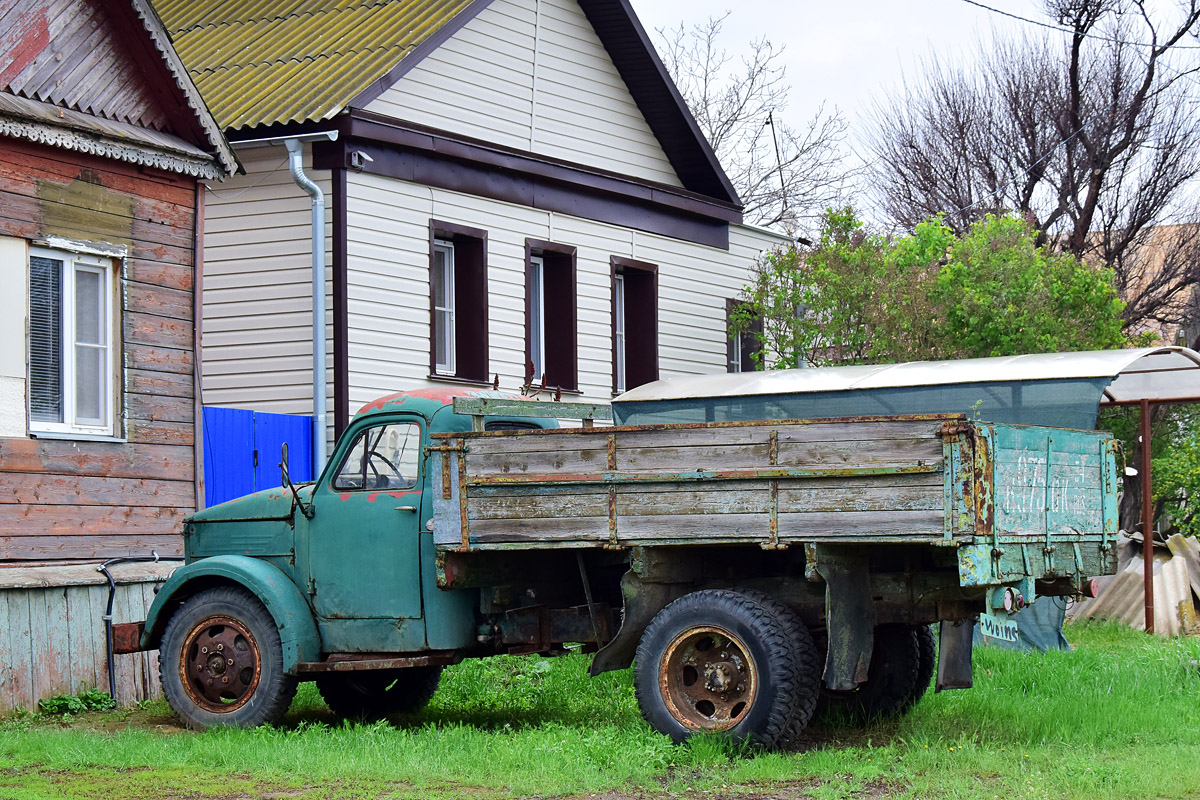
383, 457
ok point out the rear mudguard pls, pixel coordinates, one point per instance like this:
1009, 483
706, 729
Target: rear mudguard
282, 598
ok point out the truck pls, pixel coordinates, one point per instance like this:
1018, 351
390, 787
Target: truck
753, 572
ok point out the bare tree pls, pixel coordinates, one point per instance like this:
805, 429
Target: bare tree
1092, 133
785, 176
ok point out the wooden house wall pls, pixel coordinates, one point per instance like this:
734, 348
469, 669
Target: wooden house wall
52, 633
72, 499
532, 75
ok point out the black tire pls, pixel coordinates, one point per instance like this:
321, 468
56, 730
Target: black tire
221, 662
926, 664
717, 661
809, 664
891, 678
376, 694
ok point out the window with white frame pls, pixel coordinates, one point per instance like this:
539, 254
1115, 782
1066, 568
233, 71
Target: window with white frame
619, 332
537, 317
71, 360
443, 307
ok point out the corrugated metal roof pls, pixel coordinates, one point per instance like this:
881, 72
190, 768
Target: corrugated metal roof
1154, 373
277, 61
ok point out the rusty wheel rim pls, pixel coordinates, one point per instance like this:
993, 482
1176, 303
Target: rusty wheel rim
708, 679
220, 664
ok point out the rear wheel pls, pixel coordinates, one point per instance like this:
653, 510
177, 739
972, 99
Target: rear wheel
891, 678
809, 664
717, 661
221, 662
375, 694
926, 663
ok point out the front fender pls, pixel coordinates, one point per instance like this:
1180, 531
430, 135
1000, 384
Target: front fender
283, 600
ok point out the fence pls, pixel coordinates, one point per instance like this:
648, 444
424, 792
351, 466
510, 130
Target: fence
242, 451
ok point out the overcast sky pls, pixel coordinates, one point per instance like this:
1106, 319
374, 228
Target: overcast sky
847, 52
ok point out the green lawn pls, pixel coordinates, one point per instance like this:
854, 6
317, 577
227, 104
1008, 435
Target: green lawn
1117, 718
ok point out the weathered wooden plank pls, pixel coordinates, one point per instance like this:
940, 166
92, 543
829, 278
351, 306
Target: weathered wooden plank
22, 519
174, 433
7, 698
158, 300
159, 408
159, 331
41, 577
97, 458
159, 359
53, 651
712, 458
98, 602
41, 489
99, 546
537, 462
157, 382
862, 524
30, 161
493, 406
18, 657
862, 453
81, 637
154, 273
861, 498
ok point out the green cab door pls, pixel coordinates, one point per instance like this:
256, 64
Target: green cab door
364, 537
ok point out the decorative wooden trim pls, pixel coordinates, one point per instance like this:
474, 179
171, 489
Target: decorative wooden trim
341, 315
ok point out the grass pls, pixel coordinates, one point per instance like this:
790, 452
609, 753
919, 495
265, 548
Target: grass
1117, 718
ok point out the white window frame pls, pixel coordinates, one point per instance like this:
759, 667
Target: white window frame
72, 264
446, 248
537, 316
619, 330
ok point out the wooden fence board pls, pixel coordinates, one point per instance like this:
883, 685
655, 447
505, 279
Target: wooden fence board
50, 548
23, 487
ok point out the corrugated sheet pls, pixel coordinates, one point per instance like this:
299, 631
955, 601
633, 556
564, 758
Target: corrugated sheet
263, 62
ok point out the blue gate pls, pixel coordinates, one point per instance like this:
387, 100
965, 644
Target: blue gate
242, 450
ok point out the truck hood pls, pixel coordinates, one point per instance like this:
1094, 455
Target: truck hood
276, 504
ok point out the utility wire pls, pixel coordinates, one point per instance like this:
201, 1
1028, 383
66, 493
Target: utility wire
1061, 29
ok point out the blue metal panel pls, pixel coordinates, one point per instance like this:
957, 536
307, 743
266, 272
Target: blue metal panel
242, 450
270, 433
228, 454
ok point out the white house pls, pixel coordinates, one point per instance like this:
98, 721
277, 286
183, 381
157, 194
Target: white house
516, 188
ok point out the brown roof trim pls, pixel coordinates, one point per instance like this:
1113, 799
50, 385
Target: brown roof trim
380, 128
658, 98
415, 56
459, 167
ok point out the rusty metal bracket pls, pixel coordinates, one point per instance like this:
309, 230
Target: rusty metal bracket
613, 541
954, 655
773, 487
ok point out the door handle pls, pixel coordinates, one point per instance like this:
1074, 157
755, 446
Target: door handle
413, 509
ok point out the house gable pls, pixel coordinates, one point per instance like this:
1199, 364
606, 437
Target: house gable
532, 75
107, 73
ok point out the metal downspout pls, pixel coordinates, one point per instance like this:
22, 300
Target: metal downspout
296, 166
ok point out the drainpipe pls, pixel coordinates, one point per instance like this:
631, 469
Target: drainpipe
296, 166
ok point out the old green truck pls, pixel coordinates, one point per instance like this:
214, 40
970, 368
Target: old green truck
750, 561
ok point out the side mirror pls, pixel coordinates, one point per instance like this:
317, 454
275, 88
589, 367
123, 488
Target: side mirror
285, 478
287, 481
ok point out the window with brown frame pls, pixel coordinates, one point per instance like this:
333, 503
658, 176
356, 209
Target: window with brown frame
742, 347
551, 332
458, 302
634, 323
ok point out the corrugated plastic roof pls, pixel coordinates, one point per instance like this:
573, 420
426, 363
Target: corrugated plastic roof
277, 61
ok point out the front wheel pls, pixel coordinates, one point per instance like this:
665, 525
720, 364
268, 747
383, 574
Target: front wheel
717, 661
375, 694
221, 662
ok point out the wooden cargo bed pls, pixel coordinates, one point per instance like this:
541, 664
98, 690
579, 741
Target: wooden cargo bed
769, 483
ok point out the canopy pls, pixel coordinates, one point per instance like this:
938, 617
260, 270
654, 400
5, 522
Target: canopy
1062, 389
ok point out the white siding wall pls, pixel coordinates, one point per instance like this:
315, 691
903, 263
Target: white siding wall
257, 336
388, 287
532, 75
